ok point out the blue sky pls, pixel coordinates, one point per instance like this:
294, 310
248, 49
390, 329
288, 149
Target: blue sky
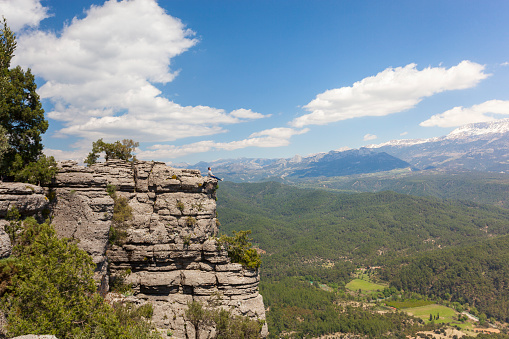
203, 80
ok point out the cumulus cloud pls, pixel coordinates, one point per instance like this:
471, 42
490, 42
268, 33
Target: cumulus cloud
459, 116
247, 114
77, 155
370, 137
21, 13
101, 72
390, 91
274, 137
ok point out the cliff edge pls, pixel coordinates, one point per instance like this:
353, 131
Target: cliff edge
169, 254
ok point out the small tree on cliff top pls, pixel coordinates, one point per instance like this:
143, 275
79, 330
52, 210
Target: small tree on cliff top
116, 150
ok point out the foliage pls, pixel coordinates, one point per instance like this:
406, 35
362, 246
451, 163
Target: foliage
134, 318
21, 113
476, 274
320, 236
14, 226
240, 250
4, 142
227, 325
409, 303
190, 221
481, 187
39, 172
198, 316
117, 150
122, 214
298, 307
51, 291
236, 327
301, 227
118, 282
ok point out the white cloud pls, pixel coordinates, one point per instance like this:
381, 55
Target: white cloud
59, 155
21, 13
459, 116
404, 133
390, 91
247, 114
275, 137
505, 63
101, 70
370, 137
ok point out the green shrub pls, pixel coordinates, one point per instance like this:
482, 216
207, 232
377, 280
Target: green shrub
118, 282
14, 226
240, 250
48, 288
40, 172
236, 327
111, 190
190, 221
187, 239
228, 326
122, 214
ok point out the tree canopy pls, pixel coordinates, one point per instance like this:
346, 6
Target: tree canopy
122, 150
21, 113
47, 287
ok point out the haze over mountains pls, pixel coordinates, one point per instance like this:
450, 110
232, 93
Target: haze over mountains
473, 147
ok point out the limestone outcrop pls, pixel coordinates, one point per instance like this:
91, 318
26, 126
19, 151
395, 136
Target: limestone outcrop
169, 255
29, 200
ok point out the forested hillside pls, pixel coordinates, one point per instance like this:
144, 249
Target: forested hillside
476, 274
296, 226
441, 251
480, 187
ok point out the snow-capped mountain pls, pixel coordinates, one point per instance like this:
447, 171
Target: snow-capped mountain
482, 146
470, 131
479, 146
480, 129
334, 163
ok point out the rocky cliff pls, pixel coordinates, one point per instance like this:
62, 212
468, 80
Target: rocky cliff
169, 255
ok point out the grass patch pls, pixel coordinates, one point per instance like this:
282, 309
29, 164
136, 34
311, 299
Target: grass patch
409, 303
363, 285
445, 314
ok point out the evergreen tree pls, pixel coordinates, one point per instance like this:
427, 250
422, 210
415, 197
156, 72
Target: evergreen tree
21, 113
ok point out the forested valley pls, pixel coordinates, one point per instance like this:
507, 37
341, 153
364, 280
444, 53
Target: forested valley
416, 251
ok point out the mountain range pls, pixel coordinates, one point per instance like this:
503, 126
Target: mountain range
473, 147
480, 146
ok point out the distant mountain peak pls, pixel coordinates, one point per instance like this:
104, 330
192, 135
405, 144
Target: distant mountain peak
478, 129
481, 128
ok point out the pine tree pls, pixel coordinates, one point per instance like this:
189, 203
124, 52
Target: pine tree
21, 113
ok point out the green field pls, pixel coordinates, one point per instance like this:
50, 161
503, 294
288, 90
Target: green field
446, 314
363, 285
411, 303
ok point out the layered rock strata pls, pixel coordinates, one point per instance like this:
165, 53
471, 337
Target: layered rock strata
169, 256
29, 200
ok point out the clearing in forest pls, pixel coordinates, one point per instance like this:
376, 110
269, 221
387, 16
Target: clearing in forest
364, 286
439, 313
